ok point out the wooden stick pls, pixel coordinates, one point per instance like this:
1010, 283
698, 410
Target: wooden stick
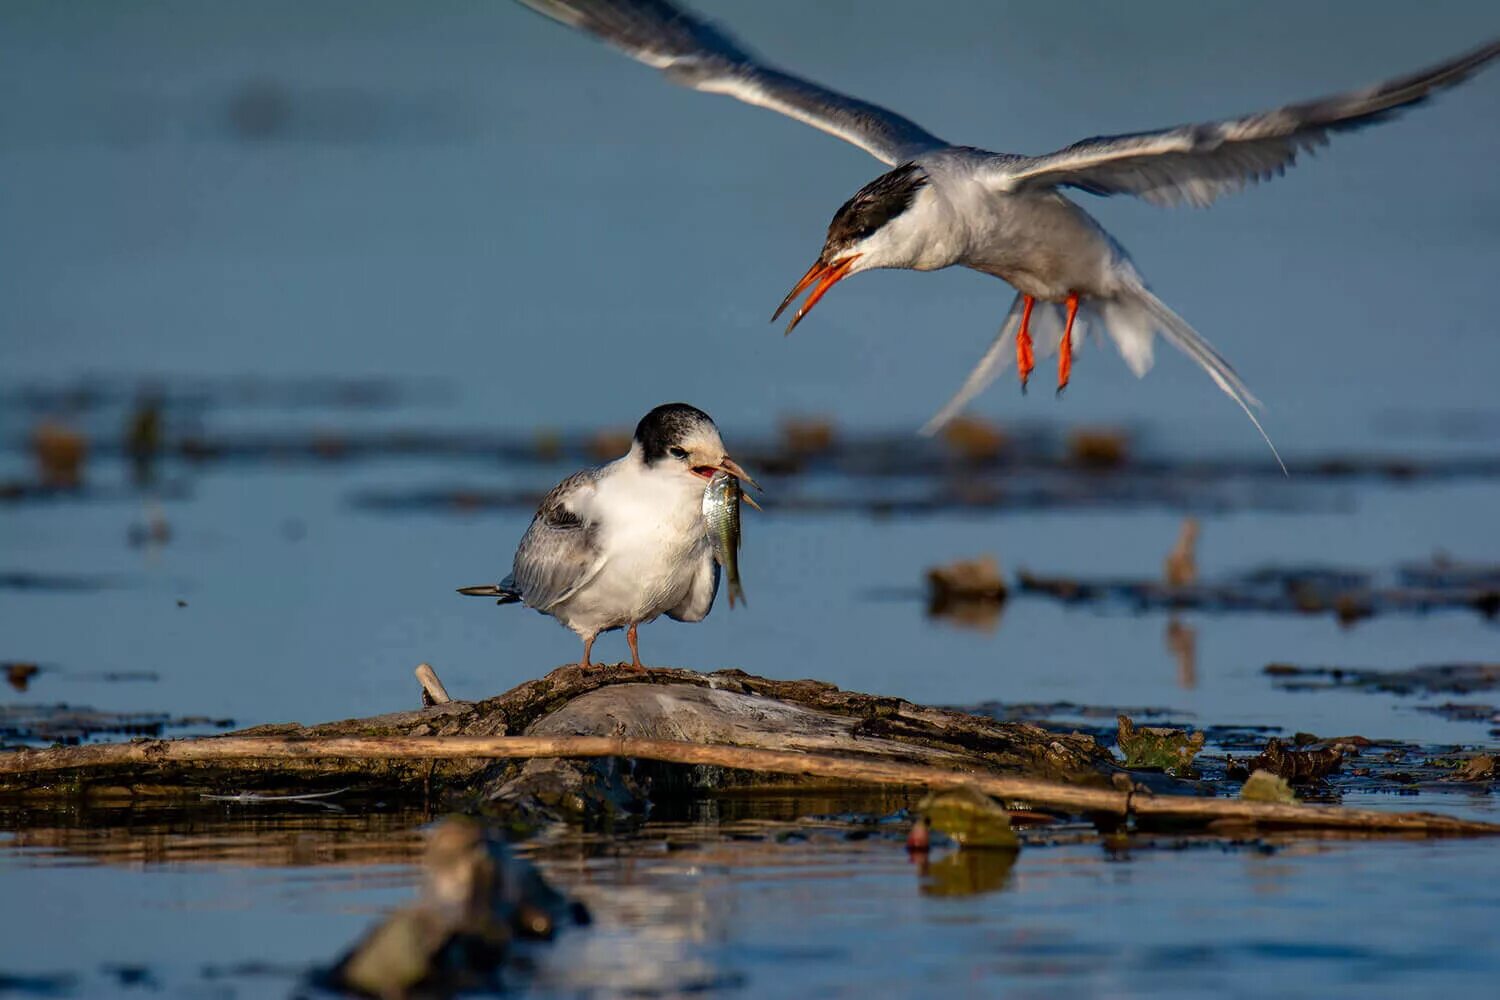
431, 686
1044, 793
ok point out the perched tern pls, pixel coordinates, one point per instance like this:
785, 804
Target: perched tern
1003, 213
625, 543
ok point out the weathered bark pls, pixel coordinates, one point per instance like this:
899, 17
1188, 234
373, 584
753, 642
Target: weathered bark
1121, 803
728, 707
712, 732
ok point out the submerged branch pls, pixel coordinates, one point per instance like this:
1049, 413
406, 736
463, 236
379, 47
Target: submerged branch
1050, 794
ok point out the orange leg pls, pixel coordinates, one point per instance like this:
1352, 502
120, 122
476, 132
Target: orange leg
635, 651
588, 645
1024, 360
1065, 349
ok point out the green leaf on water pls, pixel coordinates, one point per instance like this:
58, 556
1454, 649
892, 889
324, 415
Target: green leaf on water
1170, 750
970, 817
1263, 786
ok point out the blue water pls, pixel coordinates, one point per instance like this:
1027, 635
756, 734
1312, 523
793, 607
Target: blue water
551, 236
729, 909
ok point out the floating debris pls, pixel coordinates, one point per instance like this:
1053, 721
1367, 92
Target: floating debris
19, 675
804, 437
974, 440
1299, 767
1443, 571
1033, 711
1463, 712
969, 592
1098, 447
966, 580
969, 817
1149, 747
22, 580
143, 436
1442, 678
71, 725
95, 393
261, 798
59, 452
478, 902
38, 984
1349, 595
1263, 786
1180, 568
26, 491
1481, 768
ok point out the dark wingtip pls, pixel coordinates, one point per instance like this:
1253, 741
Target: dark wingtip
485, 590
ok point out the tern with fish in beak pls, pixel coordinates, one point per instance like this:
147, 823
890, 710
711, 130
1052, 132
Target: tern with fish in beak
627, 542
1006, 214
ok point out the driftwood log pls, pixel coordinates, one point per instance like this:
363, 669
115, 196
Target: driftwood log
729, 707
598, 745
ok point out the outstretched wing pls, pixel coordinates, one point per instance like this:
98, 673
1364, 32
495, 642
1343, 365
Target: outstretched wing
696, 54
1198, 163
559, 552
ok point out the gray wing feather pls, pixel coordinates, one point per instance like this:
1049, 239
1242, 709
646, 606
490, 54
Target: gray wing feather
700, 596
559, 552
1198, 163
694, 53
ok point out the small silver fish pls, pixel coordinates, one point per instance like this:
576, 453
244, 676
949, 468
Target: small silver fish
721, 509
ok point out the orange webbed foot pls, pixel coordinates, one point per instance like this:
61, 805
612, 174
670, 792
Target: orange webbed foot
1065, 349
1025, 359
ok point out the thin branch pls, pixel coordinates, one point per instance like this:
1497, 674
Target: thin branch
1037, 792
432, 688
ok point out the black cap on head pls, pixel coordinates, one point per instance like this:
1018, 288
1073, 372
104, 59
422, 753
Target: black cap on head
667, 425
873, 205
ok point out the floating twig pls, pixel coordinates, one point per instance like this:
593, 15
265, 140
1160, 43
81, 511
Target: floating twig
260, 797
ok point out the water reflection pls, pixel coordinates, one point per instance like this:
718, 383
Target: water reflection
966, 872
754, 893
977, 614
221, 835
1182, 643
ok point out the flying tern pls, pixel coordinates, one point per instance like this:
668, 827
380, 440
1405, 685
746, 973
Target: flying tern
622, 544
1005, 214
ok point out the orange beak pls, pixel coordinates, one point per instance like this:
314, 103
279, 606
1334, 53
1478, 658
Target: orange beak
825, 275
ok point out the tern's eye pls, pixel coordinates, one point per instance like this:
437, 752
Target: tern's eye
677, 452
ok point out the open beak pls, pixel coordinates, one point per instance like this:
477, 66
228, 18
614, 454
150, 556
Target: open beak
732, 467
823, 276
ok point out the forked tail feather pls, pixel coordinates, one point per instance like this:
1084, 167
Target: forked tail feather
1131, 320
1187, 340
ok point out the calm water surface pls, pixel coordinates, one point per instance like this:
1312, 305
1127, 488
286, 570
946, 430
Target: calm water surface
766, 907
554, 239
